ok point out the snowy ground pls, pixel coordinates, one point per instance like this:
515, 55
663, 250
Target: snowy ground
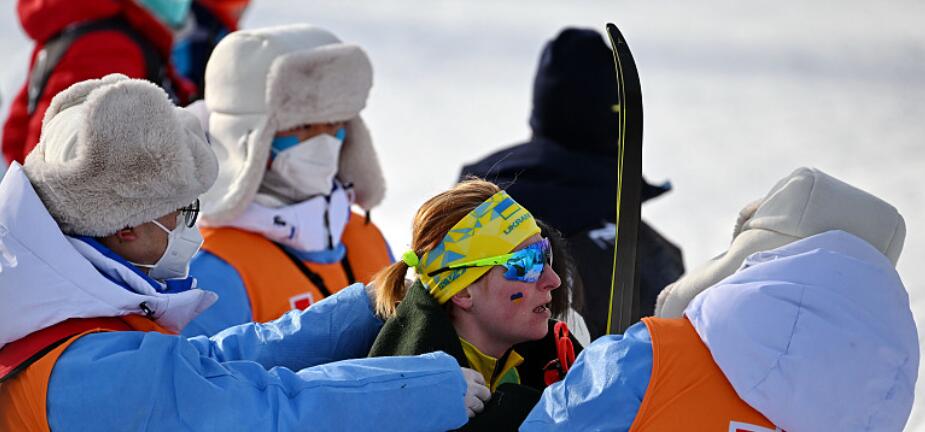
737, 95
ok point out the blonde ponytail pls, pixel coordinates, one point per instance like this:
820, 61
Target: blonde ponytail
390, 286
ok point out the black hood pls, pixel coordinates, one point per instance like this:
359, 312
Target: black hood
570, 190
575, 92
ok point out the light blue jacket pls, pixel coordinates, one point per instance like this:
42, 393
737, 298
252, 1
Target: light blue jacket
815, 335
266, 377
603, 389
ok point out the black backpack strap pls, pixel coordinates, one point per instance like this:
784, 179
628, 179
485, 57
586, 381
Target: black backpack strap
348, 269
50, 55
312, 277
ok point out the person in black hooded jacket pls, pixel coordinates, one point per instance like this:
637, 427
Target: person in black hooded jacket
566, 173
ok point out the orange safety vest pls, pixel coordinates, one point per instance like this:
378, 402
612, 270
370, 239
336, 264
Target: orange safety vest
687, 390
275, 285
26, 365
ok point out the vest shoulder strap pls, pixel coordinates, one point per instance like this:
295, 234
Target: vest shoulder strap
312, 277
20, 354
367, 250
54, 49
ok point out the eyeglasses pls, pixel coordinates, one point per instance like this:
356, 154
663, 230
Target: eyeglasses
190, 214
525, 265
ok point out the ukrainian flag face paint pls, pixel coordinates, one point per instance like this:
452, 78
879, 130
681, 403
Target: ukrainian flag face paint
494, 228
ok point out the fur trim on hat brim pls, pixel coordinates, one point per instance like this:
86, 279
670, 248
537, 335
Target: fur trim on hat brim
327, 84
137, 157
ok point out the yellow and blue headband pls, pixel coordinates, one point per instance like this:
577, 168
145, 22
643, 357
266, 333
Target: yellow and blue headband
494, 228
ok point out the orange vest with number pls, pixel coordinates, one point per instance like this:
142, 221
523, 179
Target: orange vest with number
23, 395
275, 285
687, 390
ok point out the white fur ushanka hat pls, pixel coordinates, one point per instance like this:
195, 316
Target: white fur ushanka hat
115, 153
262, 81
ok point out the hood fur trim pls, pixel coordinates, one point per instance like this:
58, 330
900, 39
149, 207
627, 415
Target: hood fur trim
116, 153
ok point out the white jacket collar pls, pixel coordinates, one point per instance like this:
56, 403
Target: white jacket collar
315, 225
44, 280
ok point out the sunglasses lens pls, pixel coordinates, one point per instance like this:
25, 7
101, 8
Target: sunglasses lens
527, 264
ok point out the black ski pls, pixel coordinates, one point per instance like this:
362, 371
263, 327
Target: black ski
624, 298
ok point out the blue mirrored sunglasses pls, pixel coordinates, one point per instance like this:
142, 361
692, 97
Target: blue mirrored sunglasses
525, 265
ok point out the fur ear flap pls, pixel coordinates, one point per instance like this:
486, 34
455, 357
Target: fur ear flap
359, 165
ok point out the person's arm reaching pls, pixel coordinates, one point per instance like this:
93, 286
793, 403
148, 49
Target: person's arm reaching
150, 381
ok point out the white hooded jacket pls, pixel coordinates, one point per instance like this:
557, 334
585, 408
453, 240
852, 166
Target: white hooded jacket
805, 203
817, 335
44, 280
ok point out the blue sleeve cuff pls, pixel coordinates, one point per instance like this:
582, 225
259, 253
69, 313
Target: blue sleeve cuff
604, 388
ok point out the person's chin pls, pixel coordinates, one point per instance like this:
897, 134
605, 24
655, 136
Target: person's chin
539, 332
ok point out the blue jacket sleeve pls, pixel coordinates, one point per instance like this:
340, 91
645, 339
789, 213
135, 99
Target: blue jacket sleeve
604, 388
151, 381
233, 306
342, 326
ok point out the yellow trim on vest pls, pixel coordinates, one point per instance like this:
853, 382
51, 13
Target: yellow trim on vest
485, 365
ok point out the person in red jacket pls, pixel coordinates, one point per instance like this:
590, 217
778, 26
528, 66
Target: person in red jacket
122, 36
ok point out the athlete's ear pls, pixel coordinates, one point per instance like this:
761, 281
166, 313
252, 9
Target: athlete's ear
462, 299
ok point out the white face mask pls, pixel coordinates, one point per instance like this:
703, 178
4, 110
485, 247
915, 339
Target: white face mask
182, 243
310, 166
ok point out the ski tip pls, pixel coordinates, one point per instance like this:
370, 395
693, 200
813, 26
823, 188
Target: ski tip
614, 33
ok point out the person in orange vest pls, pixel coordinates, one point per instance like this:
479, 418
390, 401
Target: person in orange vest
96, 232
809, 329
294, 158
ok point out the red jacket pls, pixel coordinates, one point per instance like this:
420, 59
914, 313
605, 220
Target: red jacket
91, 56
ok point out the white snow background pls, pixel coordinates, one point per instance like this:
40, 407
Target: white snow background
736, 95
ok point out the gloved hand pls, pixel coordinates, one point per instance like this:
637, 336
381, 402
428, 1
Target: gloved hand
476, 392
